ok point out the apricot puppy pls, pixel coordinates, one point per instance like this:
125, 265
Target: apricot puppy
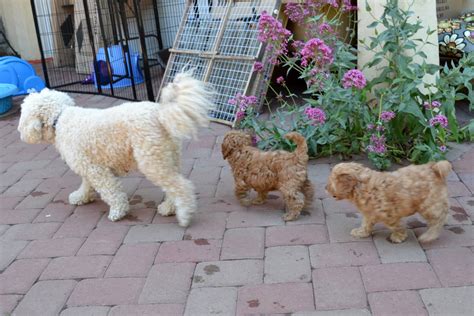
269, 171
387, 197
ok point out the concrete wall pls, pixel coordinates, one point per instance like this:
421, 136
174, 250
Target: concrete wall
19, 26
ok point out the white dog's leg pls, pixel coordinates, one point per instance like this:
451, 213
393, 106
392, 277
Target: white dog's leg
167, 207
181, 191
85, 194
178, 190
110, 190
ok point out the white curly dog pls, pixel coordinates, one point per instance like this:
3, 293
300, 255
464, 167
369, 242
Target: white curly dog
102, 144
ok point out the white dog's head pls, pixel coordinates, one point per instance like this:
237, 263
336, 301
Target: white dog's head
39, 111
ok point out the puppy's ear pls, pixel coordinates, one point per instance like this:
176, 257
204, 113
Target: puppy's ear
226, 149
346, 183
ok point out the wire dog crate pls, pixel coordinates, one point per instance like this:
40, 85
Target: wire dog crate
219, 40
117, 48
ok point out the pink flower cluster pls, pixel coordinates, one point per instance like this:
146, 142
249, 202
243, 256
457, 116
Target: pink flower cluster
281, 80
377, 144
387, 116
272, 32
354, 78
432, 105
439, 119
258, 66
317, 115
347, 6
324, 27
298, 12
316, 50
242, 102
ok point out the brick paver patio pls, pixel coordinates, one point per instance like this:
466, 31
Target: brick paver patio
60, 259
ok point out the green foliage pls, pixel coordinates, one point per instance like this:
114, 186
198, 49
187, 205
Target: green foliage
400, 87
402, 84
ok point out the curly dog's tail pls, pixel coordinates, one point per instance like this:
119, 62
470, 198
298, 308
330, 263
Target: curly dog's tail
184, 105
301, 150
442, 169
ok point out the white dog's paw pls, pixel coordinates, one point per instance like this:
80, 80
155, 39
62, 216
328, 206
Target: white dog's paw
166, 208
78, 198
115, 215
184, 221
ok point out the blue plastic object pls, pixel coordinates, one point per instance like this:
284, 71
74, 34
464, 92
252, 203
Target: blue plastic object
118, 61
6, 92
20, 73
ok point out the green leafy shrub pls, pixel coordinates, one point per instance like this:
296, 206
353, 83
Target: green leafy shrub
397, 115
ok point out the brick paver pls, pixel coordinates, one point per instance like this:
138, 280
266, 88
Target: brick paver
287, 264
110, 291
49, 248
338, 288
399, 276
231, 259
243, 243
449, 301
343, 254
104, 240
132, 260
76, 268
408, 251
210, 301
296, 235
21, 275
31, 231
86, 310
396, 303
167, 283
336, 312
189, 251
453, 266
154, 233
228, 273
9, 249
147, 310
275, 298
55, 293
8, 303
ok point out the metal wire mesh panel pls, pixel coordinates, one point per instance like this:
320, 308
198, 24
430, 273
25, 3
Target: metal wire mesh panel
203, 20
229, 77
178, 63
170, 13
222, 37
124, 42
240, 34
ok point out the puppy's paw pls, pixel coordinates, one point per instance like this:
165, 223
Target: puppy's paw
360, 233
245, 202
115, 215
166, 208
427, 237
79, 198
398, 237
258, 201
290, 216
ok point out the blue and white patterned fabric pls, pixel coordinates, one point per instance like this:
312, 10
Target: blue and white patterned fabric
456, 36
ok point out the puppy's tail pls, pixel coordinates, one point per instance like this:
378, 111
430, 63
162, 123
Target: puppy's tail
442, 169
301, 150
184, 105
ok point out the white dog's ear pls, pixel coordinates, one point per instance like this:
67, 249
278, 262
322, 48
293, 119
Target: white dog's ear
34, 133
